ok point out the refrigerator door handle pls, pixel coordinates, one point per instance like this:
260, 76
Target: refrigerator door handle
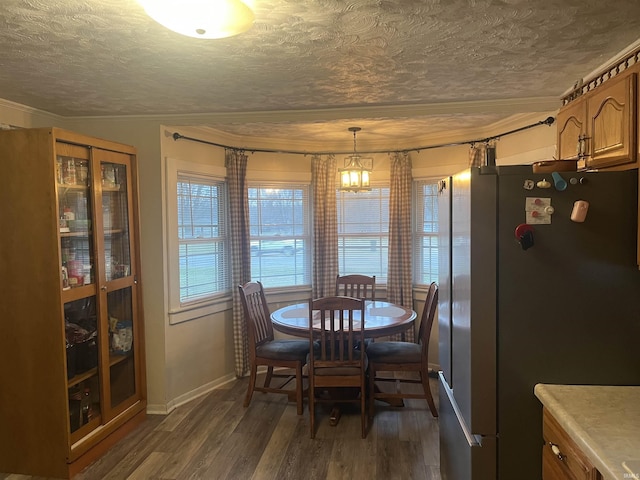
472, 440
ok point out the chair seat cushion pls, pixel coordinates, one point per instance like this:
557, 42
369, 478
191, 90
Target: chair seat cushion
284, 350
394, 352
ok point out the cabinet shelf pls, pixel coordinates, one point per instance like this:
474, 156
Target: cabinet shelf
72, 186
80, 233
77, 293
81, 377
88, 233
115, 359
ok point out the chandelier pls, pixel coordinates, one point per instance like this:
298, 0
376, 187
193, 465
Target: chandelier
354, 177
201, 18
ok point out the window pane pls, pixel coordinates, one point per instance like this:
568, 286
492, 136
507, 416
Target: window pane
280, 235
425, 238
363, 232
203, 257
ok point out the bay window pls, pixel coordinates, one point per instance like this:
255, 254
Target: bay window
363, 232
280, 239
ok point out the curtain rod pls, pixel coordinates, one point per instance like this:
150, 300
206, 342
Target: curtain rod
548, 121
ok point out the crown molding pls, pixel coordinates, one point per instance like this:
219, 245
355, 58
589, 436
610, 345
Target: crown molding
519, 111
503, 106
18, 115
249, 142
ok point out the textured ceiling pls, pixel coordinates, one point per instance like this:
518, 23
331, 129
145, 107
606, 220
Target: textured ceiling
396, 68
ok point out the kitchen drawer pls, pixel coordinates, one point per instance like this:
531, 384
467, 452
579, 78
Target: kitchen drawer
569, 462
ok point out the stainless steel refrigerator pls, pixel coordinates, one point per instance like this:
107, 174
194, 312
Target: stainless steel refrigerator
528, 295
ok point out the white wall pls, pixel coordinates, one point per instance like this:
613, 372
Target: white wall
187, 359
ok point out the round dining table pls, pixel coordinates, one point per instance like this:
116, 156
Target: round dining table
380, 319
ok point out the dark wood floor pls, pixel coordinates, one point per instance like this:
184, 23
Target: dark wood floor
214, 437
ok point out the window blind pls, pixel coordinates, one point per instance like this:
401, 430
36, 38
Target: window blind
363, 232
202, 237
425, 235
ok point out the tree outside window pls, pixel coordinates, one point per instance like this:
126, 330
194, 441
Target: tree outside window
279, 217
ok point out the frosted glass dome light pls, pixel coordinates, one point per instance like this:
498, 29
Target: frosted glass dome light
201, 18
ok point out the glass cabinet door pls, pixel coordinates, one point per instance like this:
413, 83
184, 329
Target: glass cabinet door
83, 379
122, 372
77, 273
115, 220
75, 214
118, 285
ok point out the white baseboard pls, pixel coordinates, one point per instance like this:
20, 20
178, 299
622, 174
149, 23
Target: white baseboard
160, 409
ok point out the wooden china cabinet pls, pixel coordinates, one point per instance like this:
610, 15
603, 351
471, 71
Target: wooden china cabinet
71, 338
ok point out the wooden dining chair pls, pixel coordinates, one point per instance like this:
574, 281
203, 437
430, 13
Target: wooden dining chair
336, 330
404, 357
357, 286
266, 351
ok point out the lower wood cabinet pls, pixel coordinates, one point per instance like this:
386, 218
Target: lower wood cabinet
562, 459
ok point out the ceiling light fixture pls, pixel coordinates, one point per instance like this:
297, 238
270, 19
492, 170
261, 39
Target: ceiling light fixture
355, 176
201, 18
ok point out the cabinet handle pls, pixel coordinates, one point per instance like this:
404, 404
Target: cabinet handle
556, 451
582, 146
103, 288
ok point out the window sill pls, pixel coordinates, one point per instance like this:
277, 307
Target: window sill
195, 311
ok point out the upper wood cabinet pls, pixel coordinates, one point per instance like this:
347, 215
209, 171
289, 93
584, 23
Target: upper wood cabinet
611, 130
572, 128
599, 128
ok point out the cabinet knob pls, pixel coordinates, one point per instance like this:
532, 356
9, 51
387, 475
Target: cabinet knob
556, 451
103, 288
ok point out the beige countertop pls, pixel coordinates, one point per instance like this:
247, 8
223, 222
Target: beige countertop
604, 421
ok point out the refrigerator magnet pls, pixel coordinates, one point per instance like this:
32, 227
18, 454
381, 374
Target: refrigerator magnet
524, 235
579, 212
559, 182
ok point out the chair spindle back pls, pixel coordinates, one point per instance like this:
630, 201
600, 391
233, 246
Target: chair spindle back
257, 315
356, 286
338, 327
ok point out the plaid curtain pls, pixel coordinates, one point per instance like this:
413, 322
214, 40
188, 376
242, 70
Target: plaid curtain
236, 163
399, 279
476, 154
325, 225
